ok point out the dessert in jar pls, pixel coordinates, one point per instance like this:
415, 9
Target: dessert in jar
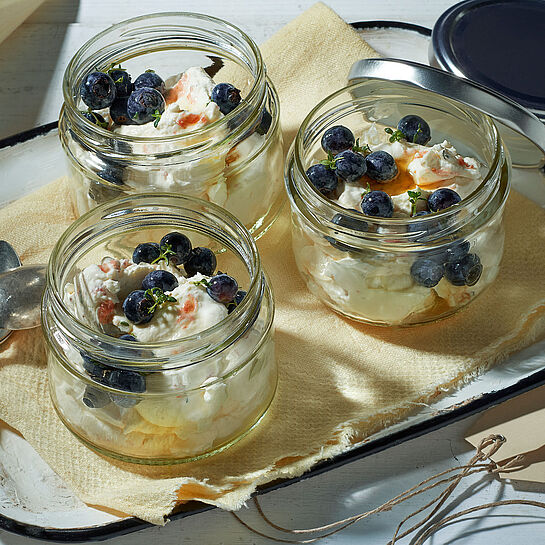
176, 103
397, 196
158, 321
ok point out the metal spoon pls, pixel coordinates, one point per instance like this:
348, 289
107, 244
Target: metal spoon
21, 290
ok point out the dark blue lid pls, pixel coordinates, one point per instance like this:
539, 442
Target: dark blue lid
498, 43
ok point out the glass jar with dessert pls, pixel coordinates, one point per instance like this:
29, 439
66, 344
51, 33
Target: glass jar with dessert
179, 103
158, 321
397, 197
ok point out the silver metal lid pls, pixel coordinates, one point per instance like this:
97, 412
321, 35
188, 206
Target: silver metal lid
522, 131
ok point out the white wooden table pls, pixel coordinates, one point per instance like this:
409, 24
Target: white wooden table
32, 63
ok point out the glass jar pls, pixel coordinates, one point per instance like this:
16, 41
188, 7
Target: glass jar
360, 265
193, 396
235, 161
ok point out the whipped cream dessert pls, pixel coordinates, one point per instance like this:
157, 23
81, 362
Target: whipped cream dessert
178, 413
244, 176
391, 287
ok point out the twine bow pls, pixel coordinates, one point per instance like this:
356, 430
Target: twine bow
479, 463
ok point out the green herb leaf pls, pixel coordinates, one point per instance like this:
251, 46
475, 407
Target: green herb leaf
329, 162
201, 282
150, 70
159, 297
395, 136
367, 189
124, 323
166, 252
414, 197
365, 150
112, 67
157, 115
418, 131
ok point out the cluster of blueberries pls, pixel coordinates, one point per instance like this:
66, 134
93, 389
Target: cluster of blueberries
140, 305
350, 162
130, 103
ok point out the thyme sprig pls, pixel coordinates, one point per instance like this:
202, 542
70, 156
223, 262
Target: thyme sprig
166, 252
329, 162
395, 136
364, 150
414, 197
158, 297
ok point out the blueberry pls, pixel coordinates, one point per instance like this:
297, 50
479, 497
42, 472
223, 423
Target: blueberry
381, 166
128, 381
136, 307
127, 337
146, 252
265, 123
151, 80
350, 223
95, 398
122, 81
222, 288
456, 251
236, 301
95, 369
118, 112
97, 90
145, 104
226, 96
177, 243
120, 146
160, 279
350, 166
96, 119
323, 178
465, 271
377, 203
337, 139
443, 198
415, 129
426, 272
201, 260
111, 174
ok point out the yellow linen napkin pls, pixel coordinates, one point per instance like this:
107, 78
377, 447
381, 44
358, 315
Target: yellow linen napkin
338, 381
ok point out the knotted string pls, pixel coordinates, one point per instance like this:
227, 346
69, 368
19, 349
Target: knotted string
479, 463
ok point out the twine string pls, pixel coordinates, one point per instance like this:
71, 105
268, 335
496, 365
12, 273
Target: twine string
479, 463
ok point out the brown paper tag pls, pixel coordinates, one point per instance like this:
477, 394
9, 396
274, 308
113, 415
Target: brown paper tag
521, 421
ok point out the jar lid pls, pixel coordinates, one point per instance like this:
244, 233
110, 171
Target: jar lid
498, 43
523, 131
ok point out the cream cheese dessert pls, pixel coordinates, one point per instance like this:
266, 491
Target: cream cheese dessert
166, 292
382, 172
242, 173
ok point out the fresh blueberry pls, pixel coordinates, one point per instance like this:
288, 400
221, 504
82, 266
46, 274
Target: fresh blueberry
118, 112
145, 104
95, 369
97, 90
236, 301
337, 139
443, 198
350, 166
122, 81
95, 398
415, 129
464, 272
128, 381
96, 119
265, 123
226, 96
111, 174
381, 166
377, 203
222, 288
323, 178
426, 272
456, 251
177, 243
201, 260
127, 337
151, 80
349, 223
146, 252
120, 146
136, 307
160, 279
